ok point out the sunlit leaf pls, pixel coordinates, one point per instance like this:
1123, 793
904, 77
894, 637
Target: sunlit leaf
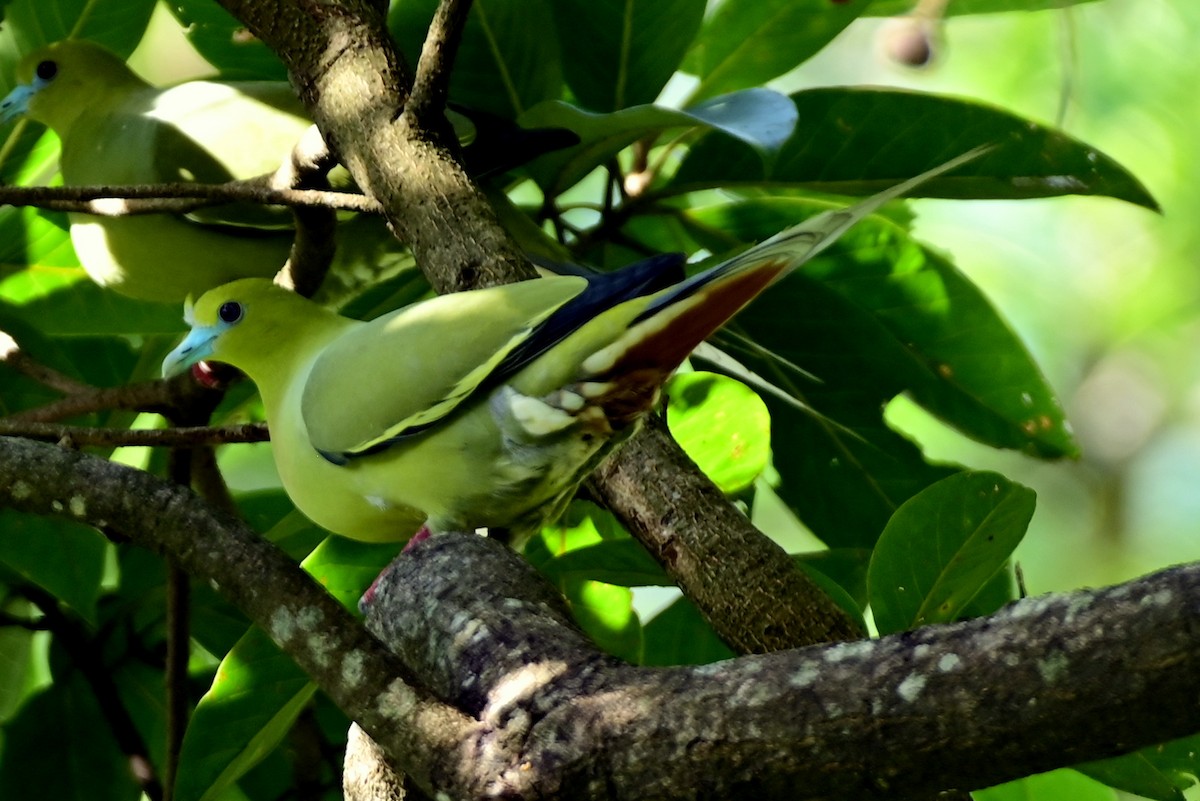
65, 559
623, 51
845, 144
509, 57
678, 635
722, 425
748, 42
623, 562
1057, 785
759, 118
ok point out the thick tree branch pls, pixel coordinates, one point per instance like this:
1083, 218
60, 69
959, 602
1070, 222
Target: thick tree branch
1044, 683
426, 737
745, 585
341, 60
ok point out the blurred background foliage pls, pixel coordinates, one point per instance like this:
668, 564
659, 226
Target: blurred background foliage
1105, 295
1101, 291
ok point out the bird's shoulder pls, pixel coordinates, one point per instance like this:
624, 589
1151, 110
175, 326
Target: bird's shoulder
403, 373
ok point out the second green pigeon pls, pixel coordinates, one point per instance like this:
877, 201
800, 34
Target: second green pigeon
117, 129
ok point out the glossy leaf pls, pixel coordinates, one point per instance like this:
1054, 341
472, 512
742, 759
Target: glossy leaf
1057, 785
942, 546
605, 613
623, 562
760, 118
65, 559
843, 145
629, 50
748, 42
258, 691
509, 57
1161, 772
225, 43
255, 698
722, 425
63, 719
919, 324
678, 635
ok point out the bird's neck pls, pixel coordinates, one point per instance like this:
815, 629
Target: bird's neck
279, 371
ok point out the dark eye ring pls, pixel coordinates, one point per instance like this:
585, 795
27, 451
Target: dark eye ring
231, 311
46, 70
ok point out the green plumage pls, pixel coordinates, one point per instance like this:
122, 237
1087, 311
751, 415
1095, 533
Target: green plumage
117, 129
483, 408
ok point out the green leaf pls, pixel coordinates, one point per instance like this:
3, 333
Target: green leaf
259, 691
64, 720
846, 566
509, 57
1161, 772
893, 8
761, 118
845, 144
942, 546
16, 649
605, 613
623, 562
623, 51
748, 42
225, 43
1057, 785
722, 425
758, 117
65, 559
29, 24
678, 635
83, 308
838, 593
917, 322
255, 698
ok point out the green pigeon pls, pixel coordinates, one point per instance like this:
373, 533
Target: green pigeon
477, 409
117, 129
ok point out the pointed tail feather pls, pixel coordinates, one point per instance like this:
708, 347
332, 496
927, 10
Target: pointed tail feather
680, 318
795, 246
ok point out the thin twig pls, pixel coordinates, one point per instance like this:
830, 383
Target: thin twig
182, 437
431, 84
12, 355
313, 244
119, 200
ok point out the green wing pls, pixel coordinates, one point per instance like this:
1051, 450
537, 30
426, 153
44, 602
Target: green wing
409, 370
200, 131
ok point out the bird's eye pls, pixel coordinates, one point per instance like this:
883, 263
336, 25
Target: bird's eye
231, 311
46, 70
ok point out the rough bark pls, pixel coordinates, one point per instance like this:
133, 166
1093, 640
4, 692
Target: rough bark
535, 711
